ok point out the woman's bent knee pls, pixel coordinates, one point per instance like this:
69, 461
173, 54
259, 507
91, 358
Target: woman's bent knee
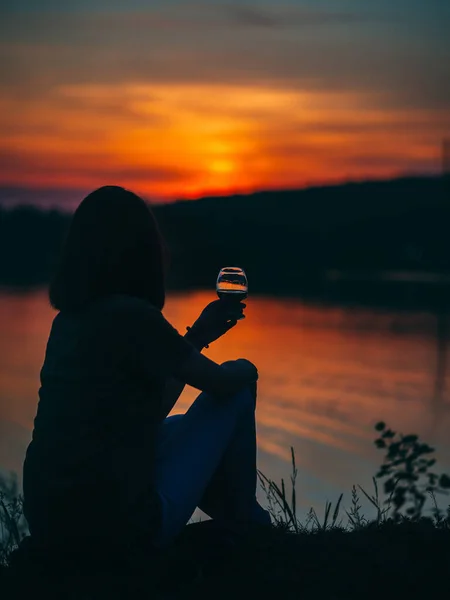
246, 397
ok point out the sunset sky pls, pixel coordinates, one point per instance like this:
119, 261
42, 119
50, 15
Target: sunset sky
177, 99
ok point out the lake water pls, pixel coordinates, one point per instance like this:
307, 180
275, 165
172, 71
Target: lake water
327, 375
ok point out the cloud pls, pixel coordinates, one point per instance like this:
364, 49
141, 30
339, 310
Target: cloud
285, 45
178, 17
282, 16
191, 96
188, 139
252, 16
65, 198
94, 167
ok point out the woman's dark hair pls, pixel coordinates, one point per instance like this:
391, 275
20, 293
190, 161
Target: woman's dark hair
113, 246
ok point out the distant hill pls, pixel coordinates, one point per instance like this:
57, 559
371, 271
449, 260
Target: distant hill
285, 240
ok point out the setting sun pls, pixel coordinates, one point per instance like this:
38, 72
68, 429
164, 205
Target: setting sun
222, 166
207, 99
188, 139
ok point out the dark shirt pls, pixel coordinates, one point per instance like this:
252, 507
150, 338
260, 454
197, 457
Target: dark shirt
100, 402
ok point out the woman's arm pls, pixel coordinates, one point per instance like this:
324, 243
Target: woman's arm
174, 387
204, 374
157, 347
217, 380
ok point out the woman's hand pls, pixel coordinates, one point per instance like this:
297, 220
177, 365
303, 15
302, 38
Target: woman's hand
216, 319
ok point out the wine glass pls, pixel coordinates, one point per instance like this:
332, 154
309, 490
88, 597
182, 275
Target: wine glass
232, 284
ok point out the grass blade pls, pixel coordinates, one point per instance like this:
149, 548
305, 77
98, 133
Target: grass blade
336, 510
372, 500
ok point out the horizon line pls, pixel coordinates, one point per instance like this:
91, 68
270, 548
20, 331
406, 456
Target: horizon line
158, 202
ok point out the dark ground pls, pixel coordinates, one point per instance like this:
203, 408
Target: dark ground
407, 560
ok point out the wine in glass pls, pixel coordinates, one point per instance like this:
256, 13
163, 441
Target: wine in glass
232, 284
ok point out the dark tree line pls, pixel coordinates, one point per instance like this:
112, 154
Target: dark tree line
285, 240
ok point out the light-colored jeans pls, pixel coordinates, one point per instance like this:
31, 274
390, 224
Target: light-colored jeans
206, 458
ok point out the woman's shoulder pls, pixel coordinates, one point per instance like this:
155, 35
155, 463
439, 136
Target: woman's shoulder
125, 305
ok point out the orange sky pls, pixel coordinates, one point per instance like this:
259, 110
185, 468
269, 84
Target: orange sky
216, 113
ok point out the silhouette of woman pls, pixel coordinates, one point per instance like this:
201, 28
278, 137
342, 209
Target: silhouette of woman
105, 461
